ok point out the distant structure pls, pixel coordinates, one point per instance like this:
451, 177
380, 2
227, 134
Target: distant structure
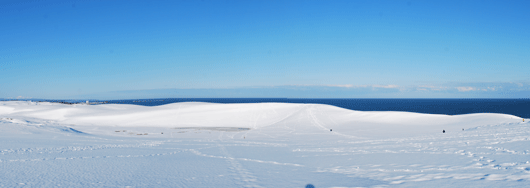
87, 102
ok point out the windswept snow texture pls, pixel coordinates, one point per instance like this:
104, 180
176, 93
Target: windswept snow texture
256, 145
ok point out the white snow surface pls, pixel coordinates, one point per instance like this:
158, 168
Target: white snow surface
196, 144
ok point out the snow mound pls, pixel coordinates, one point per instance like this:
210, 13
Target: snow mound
307, 117
256, 145
303, 117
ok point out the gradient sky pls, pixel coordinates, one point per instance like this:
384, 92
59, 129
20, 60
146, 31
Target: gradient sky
426, 49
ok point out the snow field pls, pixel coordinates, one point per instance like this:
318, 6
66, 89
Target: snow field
286, 145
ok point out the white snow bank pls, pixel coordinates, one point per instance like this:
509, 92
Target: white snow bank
306, 117
287, 145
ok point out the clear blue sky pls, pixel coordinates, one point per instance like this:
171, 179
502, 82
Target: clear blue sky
443, 49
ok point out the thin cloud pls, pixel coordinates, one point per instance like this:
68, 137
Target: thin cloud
466, 89
430, 87
385, 86
490, 89
346, 85
21, 97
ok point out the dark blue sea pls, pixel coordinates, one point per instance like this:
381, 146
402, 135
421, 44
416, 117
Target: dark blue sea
517, 107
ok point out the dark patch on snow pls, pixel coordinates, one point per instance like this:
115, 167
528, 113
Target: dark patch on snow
68, 129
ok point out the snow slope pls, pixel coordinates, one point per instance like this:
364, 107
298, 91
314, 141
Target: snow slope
256, 145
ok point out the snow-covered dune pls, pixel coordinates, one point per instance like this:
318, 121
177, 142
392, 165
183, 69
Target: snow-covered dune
254, 116
256, 145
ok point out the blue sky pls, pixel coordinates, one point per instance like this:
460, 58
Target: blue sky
315, 49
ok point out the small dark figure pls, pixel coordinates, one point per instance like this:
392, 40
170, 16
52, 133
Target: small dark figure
330, 129
462, 129
443, 131
309, 186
